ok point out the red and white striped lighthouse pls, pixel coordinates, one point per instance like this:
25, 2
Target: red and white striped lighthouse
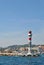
30, 38
30, 41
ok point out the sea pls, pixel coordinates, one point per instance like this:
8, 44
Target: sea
15, 60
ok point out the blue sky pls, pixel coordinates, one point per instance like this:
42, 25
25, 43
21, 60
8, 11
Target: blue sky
17, 17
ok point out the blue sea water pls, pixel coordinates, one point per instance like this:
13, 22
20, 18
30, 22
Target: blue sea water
12, 60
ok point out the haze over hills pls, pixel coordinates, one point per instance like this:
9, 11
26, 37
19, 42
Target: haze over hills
15, 47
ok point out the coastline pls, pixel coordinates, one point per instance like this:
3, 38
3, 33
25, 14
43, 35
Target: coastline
18, 54
10, 54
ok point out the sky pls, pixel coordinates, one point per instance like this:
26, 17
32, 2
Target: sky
17, 17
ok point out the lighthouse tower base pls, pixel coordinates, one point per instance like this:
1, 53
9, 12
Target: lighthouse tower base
29, 52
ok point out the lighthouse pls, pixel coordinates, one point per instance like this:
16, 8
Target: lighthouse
30, 38
30, 43
31, 51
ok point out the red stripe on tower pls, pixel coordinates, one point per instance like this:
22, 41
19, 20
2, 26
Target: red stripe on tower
30, 39
30, 32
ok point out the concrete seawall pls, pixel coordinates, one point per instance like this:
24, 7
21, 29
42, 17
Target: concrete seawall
9, 54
